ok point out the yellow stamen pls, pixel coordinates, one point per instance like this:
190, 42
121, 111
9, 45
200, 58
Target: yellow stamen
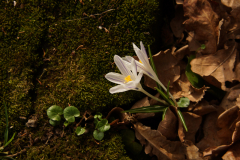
140, 61
127, 79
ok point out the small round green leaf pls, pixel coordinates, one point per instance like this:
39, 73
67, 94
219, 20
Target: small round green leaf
70, 113
80, 130
54, 123
66, 123
104, 128
183, 102
98, 135
101, 123
54, 112
98, 115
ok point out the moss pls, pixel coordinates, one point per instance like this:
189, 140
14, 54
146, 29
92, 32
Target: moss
63, 39
73, 147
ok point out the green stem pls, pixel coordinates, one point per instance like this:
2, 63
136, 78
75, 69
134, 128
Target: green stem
157, 99
159, 83
153, 65
165, 96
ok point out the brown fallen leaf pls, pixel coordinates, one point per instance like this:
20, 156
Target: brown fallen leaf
203, 107
210, 131
192, 151
227, 133
219, 65
155, 143
215, 151
193, 122
181, 52
168, 127
183, 88
230, 99
227, 117
232, 153
203, 21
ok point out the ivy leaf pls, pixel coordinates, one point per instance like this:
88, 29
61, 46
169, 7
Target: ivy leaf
54, 123
70, 113
54, 112
103, 125
98, 135
183, 102
98, 115
66, 123
80, 130
104, 128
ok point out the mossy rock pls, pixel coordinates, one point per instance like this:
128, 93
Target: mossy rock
57, 52
82, 147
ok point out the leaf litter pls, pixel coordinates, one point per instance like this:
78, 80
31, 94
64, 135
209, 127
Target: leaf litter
212, 118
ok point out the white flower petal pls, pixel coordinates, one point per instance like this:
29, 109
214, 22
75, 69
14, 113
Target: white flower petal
147, 71
127, 58
143, 50
139, 77
134, 68
122, 66
141, 55
115, 78
118, 88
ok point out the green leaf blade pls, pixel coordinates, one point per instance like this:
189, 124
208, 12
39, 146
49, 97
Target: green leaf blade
195, 79
182, 119
70, 113
183, 102
54, 112
98, 135
80, 130
148, 109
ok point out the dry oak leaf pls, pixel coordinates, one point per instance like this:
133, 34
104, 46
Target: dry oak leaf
193, 122
167, 69
230, 99
156, 144
215, 151
181, 53
203, 21
219, 65
183, 88
203, 107
233, 153
168, 127
229, 133
235, 5
210, 131
192, 151
227, 122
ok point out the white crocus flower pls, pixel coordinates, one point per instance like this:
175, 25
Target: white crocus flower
129, 79
144, 65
